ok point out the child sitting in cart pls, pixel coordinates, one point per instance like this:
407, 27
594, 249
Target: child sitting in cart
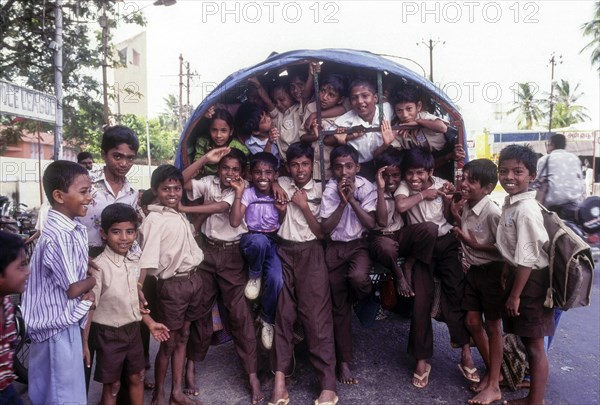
220, 127
255, 123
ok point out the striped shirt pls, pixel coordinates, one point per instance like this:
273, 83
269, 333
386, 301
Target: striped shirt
8, 333
59, 260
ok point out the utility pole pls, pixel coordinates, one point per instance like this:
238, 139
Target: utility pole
104, 24
431, 44
180, 118
187, 90
553, 62
58, 78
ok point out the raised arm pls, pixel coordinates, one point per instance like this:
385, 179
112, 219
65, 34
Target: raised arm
237, 209
211, 157
262, 93
381, 214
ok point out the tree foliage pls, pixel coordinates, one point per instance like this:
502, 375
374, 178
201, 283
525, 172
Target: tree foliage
566, 111
26, 39
163, 141
528, 107
592, 29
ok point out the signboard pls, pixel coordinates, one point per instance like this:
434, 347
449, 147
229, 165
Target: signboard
24, 102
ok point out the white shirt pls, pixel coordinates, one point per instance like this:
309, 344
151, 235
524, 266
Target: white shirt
565, 178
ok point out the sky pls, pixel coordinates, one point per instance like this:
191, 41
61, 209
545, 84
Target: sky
484, 48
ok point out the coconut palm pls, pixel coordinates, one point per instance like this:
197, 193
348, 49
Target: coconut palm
592, 29
528, 107
566, 110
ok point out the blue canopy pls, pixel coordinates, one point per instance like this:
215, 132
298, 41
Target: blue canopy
234, 85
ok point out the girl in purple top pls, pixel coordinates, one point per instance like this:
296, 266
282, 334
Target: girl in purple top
263, 215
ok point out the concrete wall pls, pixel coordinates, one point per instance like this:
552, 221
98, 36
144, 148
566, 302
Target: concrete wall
20, 179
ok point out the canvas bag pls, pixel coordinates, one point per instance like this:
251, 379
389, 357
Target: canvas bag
542, 184
571, 265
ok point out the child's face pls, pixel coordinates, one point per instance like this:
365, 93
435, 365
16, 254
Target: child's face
418, 178
329, 97
363, 102
296, 87
12, 281
74, 203
229, 169
407, 112
471, 189
169, 193
345, 169
392, 177
514, 176
300, 169
262, 176
282, 100
119, 160
264, 126
220, 132
120, 236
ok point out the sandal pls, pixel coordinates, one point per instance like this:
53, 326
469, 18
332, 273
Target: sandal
423, 378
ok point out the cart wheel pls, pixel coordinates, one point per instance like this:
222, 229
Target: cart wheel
22, 342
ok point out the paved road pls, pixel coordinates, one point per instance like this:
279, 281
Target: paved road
384, 369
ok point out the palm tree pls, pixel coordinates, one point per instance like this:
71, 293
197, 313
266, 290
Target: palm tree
566, 111
169, 118
592, 29
528, 107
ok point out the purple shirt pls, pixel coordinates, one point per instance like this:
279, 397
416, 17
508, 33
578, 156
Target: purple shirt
261, 214
59, 260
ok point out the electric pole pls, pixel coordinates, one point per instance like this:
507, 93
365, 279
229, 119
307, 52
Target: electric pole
431, 44
58, 78
553, 62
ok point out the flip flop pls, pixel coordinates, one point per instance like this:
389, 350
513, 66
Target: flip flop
423, 378
282, 401
469, 373
334, 402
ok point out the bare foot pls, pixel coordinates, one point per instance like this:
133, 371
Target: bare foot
190, 379
345, 375
148, 385
487, 396
279, 396
402, 287
407, 269
257, 394
181, 399
158, 397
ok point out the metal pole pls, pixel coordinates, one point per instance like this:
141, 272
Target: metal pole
551, 93
431, 45
58, 78
180, 92
187, 91
148, 149
40, 151
104, 25
319, 131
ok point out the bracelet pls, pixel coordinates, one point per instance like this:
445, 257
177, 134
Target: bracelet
421, 194
140, 285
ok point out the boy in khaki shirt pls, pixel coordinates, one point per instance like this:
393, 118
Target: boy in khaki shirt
171, 254
305, 293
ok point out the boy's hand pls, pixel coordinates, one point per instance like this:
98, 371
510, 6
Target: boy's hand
512, 306
254, 81
431, 194
456, 207
210, 112
91, 297
379, 178
159, 332
238, 185
386, 132
468, 238
87, 357
311, 122
92, 267
281, 207
279, 193
459, 152
340, 135
346, 190
214, 156
143, 302
300, 198
273, 135
314, 67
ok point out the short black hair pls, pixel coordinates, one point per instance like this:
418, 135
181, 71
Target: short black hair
389, 157
12, 245
299, 149
116, 213
362, 81
163, 173
84, 155
59, 175
247, 118
341, 151
417, 158
559, 141
116, 135
483, 171
337, 81
521, 153
264, 157
405, 93
237, 155
148, 197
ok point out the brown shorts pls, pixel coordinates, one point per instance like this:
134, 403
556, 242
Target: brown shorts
116, 348
483, 290
535, 320
178, 299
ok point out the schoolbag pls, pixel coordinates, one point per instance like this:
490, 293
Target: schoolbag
571, 265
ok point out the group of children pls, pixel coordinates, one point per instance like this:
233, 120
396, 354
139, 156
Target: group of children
268, 230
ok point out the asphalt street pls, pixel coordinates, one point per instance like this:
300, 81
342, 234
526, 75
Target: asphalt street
384, 368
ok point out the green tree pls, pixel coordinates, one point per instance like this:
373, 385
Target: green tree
527, 106
163, 141
566, 111
170, 115
592, 29
26, 55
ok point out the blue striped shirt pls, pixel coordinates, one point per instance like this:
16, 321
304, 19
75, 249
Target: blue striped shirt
59, 260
